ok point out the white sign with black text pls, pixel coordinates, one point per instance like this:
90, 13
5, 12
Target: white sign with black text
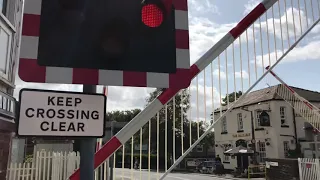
58, 113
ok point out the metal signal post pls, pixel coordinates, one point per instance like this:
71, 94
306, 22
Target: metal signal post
87, 148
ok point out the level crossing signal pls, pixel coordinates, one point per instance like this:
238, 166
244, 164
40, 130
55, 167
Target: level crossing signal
136, 43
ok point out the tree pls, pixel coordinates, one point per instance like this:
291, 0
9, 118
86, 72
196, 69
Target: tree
122, 116
178, 107
231, 97
181, 102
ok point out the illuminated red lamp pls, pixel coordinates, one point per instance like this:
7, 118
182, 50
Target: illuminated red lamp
152, 16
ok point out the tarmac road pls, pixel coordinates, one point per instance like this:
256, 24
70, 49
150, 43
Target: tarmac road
128, 174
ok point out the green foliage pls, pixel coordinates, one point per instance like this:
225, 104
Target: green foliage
176, 112
231, 97
295, 153
136, 157
28, 158
122, 116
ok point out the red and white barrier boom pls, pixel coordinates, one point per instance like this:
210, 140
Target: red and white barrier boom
144, 116
302, 106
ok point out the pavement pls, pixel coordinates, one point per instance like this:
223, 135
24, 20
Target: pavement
128, 174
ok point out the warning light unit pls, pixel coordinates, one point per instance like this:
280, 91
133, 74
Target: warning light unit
106, 42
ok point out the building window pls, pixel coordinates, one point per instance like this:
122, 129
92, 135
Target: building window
286, 148
5, 47
224, 124
258, 122
225, 157
312, 146
3, 6
318, 146
262, 152
4, 102
283, 115
240, 121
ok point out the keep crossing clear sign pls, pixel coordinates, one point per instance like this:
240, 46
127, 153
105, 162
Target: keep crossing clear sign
58, 113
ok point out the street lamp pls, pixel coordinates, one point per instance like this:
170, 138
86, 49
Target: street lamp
253, 140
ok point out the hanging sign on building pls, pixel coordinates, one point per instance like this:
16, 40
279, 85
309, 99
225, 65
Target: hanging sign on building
59, 113
241, 135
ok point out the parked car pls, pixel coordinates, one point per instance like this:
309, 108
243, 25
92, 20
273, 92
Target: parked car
206, 167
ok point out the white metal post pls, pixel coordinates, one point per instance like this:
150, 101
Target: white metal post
300, 171
317, 161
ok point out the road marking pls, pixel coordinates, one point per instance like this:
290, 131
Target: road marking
120, 177
178, 178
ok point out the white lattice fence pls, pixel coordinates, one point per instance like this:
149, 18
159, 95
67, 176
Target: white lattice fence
309, 169
18, 171
307, 110
45, 166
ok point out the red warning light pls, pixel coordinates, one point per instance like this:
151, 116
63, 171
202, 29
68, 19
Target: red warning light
152, 15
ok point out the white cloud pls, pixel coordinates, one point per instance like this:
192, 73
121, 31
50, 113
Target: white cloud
124, 98
291, 23
201, 110
222, 74
310, 51
215, 73
62, 87
250, 6
119, 98
204, 34
285, 24
242, 74
198, 8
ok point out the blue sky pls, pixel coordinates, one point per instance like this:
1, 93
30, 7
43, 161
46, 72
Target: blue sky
209, 21
298, 69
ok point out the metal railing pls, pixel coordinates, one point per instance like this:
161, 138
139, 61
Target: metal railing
257, 171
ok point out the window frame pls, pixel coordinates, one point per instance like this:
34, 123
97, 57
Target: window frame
4, 29
8, 23
262, 151
4, 8
240, 121
224, 126
283, 112
257, 113
226, 158
286, 148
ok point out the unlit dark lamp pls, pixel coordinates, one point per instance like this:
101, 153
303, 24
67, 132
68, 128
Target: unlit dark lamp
115, 38
72, 4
